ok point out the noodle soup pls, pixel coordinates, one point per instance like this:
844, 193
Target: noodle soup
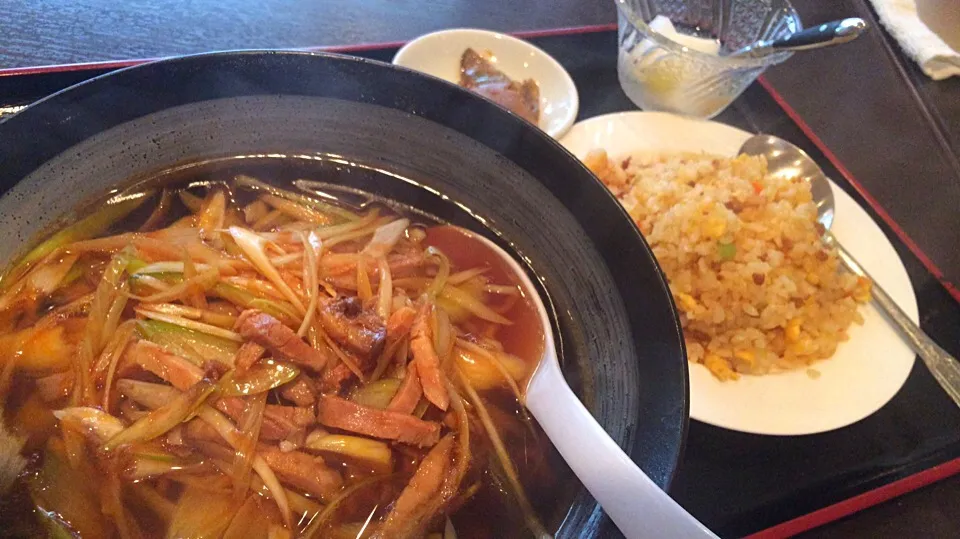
218, 356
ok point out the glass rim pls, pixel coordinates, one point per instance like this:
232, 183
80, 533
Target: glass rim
726, 61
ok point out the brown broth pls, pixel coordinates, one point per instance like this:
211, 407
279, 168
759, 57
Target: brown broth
491, 512
524, 337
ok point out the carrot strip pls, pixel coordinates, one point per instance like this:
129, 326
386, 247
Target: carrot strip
407, 397
428, 364
400, 322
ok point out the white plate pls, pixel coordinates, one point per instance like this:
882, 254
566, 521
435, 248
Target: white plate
866, 371
439, 53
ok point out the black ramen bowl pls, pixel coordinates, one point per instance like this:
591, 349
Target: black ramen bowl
405, 136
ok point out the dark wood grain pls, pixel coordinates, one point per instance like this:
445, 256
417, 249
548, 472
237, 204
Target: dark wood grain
39, 32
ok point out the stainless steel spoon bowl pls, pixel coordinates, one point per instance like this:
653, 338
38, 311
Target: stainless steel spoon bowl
788, 161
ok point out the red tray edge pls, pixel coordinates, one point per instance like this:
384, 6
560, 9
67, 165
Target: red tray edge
912, 482
791, 527
881, 212
860, 502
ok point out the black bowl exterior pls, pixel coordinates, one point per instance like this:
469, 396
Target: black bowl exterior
452, 154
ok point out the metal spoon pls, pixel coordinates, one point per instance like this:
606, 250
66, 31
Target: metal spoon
824, 35
786, 160
634, 502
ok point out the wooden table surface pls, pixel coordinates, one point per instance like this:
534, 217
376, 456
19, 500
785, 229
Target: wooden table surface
41, 32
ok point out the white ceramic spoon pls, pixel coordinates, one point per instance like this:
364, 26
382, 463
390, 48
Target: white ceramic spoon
632, 500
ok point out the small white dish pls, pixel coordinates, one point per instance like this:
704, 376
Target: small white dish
439, 53
865, 372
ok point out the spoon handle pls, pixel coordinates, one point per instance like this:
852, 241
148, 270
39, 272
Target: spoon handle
943, 366
823, 35
639, 508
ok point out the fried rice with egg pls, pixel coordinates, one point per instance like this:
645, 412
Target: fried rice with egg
757, 290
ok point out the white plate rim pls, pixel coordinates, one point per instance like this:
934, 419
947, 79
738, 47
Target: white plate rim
564, 122
715, 402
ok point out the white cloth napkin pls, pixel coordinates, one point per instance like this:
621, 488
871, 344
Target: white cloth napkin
935, 57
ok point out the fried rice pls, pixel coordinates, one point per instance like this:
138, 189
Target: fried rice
757, 290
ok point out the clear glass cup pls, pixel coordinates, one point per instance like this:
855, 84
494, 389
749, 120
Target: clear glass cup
661, 74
